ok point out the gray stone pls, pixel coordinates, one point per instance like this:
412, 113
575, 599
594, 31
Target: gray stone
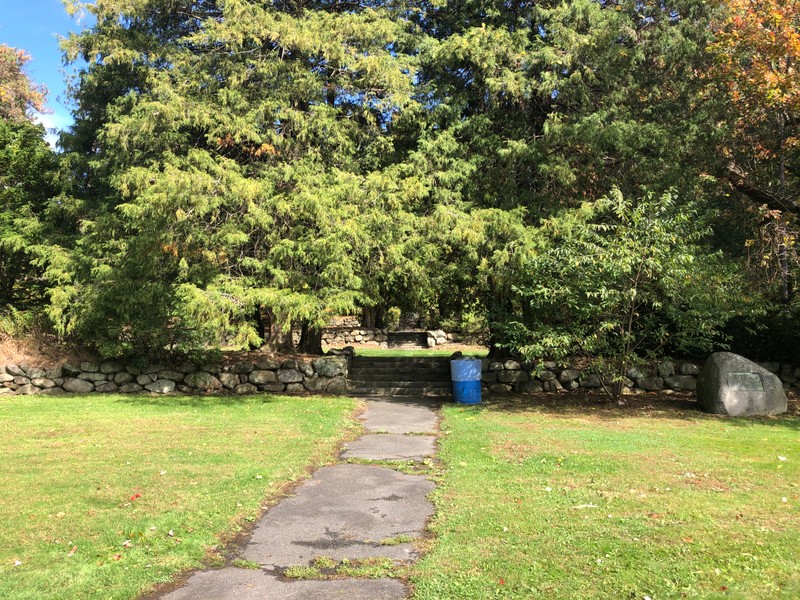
93, 377
572, 385
786, 370
15, 370
153, 369
316, 384
245, 388
70, 368
590, 380
666, 369
130, 388
184, 389
161, 386
489, 377
496, 366
290, 376
330, 366
530, 387
27, 390
772, 367
554, 385
133, 370
21, 380
511, 365
4, 391
337, 385
500, 388
229, 380
241, 367
203, 380
186, 368
730, 384
546, 376
568, 375
788, 379
54, 373
144, 379
295, 388
260, 377
651, 384
306, 369
267, 364
89, 367
289, 364
272, 387
78, 386
171, 375
43, 382
108, 387
513, 376
683, 383
4, 377
59, 381
34, 373
111, 367
637, 373
53, 391
688, 368
123, 378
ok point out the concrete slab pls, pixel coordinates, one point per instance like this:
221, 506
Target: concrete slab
401, 416
391, 446
343, 511
247, 584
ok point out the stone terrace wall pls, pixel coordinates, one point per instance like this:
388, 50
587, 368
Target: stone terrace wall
521, 377
322, 374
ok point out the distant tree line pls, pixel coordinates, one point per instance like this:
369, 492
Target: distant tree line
613, 178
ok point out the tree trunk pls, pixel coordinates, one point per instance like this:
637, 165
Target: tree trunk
275, 338
372, 317
310, 340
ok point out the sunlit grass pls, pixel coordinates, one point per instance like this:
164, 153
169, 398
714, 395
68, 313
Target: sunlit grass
588, 502
103, 496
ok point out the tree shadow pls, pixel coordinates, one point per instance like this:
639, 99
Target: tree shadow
196, 401
683, 407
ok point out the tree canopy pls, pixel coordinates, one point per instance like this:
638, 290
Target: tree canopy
239, 167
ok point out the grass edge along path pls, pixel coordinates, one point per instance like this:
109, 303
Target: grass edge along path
559, 501
105, 496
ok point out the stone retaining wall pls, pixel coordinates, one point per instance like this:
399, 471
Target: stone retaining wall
348, 336
521, 377
322, 374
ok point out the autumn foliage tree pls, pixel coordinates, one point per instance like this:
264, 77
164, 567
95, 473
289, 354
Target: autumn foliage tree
18, 94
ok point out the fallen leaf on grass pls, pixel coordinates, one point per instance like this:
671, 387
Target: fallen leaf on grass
17, 563
582, 506
72, 551
61, 515
117, 557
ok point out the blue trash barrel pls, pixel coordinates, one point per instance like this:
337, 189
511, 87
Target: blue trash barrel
466, 376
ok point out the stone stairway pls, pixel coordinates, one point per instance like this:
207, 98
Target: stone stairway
400, 376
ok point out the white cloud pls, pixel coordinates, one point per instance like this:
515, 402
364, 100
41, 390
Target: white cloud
53, 122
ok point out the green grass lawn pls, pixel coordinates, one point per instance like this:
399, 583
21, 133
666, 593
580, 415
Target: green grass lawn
582, 502
103, 496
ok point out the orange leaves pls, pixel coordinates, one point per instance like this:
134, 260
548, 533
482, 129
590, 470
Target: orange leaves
18, 94
758, 50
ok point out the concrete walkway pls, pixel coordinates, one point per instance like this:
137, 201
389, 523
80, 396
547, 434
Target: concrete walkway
346, 511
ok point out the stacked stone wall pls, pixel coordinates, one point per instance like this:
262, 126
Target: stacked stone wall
324, 374
522, 377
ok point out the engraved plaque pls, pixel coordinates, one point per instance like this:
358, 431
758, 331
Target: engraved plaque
745, 382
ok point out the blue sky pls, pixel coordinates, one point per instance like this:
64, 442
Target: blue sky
34, 26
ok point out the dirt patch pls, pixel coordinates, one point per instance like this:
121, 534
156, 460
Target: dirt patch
40, 350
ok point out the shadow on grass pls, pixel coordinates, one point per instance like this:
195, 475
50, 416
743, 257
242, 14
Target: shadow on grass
656, 406
197, 401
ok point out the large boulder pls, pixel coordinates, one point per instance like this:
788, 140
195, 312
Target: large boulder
330, 366
732, 385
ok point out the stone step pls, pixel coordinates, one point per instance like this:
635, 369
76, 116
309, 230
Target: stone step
400, 384
435, 392
398, 375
